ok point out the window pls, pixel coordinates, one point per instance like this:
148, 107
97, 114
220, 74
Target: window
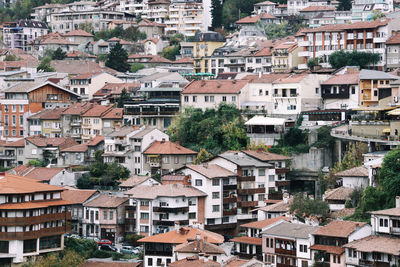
105, 215
96, 121
353, 90
176, 159
303, 248
215, 195
165, 159
186, 98
29, 245
189, 159
97, 216
224, 99
194, 99
144, 216
21, 120
192, 215
261, 172
233, 98
111, 215
215, 182
211, 98
4, 247
261, 197
215, 208
13, 108
21, 108
198, 182
149, 260
34, 151
316, 90
50, 242
14, 120
206, 98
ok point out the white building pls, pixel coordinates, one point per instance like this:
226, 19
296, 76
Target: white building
20, 33
185, 18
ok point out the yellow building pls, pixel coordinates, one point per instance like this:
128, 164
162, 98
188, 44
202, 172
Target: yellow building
46, 123
92, 122
203, 46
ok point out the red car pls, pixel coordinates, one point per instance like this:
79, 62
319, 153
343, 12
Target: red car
104, 242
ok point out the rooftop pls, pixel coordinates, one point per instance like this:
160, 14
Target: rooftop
348, 78
15, 184
78, 32
106, 201
360, 171
211, 170
247, 240
243, 160
167, 190
373, 243
291, 230
133, 181
264, 223
199, 246
168, 148
78, 196
265, 156
340, 193
194, 261
214, 87
181, 236
387, 212
339, 228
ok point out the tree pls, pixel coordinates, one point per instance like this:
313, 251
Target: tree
135, 67
344, 5
377, 14
11, 57
216, 13
67, 259
170, 52
124, 96
202, 156
312, 62
117, 59
303, 207
45, 65
133, 34
133, 238
86, 26
341, 58
84, 247
59, 54
389, 175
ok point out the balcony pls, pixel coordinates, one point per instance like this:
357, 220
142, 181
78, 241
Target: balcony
154, 164
275, 196
244, 204
284, 265
227, 200
250, 191
10, 221
170, 223
227, 212
282, 183
7, 156
285, 251
170, 209
395, 230
246, 178
35, 234
229, 186
282, 170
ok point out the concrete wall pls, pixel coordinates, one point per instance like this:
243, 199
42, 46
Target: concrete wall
314, 160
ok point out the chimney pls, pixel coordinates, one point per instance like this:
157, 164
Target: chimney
397, 201
259, 75
176, 226
205, 165
163, 141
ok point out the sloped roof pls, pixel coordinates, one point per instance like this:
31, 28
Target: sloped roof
295, 78
43, 174
11, 184
168, 148
167, 190
388, 212
75, 67
360, 171
329, 249
27, 87
247, 240
348, 78
292, 230
61, 142
214, 87
394, 39
96, 111
194, 261
199, 246
106, 201
265, 156
264, 223
77, 196
78, 108
96, 140
182, 235
133, 181
76, 148
48, 114
248, 20
374, 243
114, 113
317, 8
280, 207
376, 75
266, 51
339, 228
18, 143
78, 32
340, 193
211, 170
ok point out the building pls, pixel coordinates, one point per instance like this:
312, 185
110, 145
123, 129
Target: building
158, 10
211, 93
77, 197
386, 222
285, 57
79, 36
265, 130
288, 243
53, 176
330, 239
112, 120
52, 41
392, 51
92, 124
203, 47
110, 92
160, 249
160, 207
34, 227
278, 208
185, 18
367, 35
40, 13
164, 156
356, 177
50, 122
249, 245
18, 34
197, 248
105, 217
136, 180
337, 197
361, 10
24, 99
12, 153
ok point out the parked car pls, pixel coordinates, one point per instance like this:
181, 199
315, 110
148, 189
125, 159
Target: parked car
108, 247
129, 250
104, 242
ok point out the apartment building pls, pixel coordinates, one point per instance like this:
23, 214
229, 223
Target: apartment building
160, 207
285, 57
158, 10
66, 21
365, 36
92, 124
110, 92
72, 120
50, 120
185, 18
211, 93
160, 249
220, 185
105, 217
19, 33
249, 245
41, 13
204, 45
392, 51
297, 93
34, 219
79, 36
77, 197
11, 153
87, 84
81, 154
386, 222
294, 7
341, 91
288, 244
136, 7
330, 239
51, 41
24, 99
361, 10
164, 156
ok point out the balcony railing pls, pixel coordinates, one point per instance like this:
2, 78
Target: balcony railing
285, 251
170, 209
10, 221
282, 170
282, 183
229, 186
246, 178
250, 191
227, 200
35, 234
227, 212
243, 204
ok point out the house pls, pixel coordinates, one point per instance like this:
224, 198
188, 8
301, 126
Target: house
77, 67
160, 248
136, 180
105, 217
165, 156
220, 185
74, 155
356, 177
285, 57
330, 239
87, 84
110, 92
153, 46
198, 247
32, 98
72, 120
363, 11
92, 124
49, 120
19, 33
79, 36
34, 227
76, 55
313, 11
274, 210
77, 197
392, 51
203, 46
176, 179
265, 130
112, 120
249, 245
211, 93
200, 261
160, 207
386, 221
337, 197
288, 243
151, 28
52, 41
341, 91
52, 176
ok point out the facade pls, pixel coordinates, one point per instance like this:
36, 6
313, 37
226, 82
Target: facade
160, 207
203, 46
79, 36
18, 34
158, 10
285, 57
361, 10
37, 225
185, 18
392, 51
386, 222
92, 124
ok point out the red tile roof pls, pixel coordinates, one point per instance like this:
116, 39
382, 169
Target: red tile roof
77, 196
291, 79
265, 156
106, 201
328, 249
76, 148
182, 235
96, 111
33, 205
339, 228
78, 32
61, 142
43, 174
214, 87
248, 20
194, 261
78, 108
185, 60
394, 39
19, 185
266, 51
18, 143
247, 240
265, 78
348, 78
168, 148
264, 223
211, 170
96, 140
116, 89
114, 113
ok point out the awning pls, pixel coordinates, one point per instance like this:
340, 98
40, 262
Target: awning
261, 120
387, 130
395, 112
254, 103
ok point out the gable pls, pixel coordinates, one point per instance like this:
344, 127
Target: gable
51, 93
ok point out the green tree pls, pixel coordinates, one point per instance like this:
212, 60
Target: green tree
176, 39
45, 65
86, 26
303, 207
59, 54
312, 62
216, 13
124, 96
202, 156
342, 58
133, 238
135, 67
170, 52
84, 182
36, 163
133, 34
344, 5
117, 59
377, 14
389, 175
11, 57
84, 247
